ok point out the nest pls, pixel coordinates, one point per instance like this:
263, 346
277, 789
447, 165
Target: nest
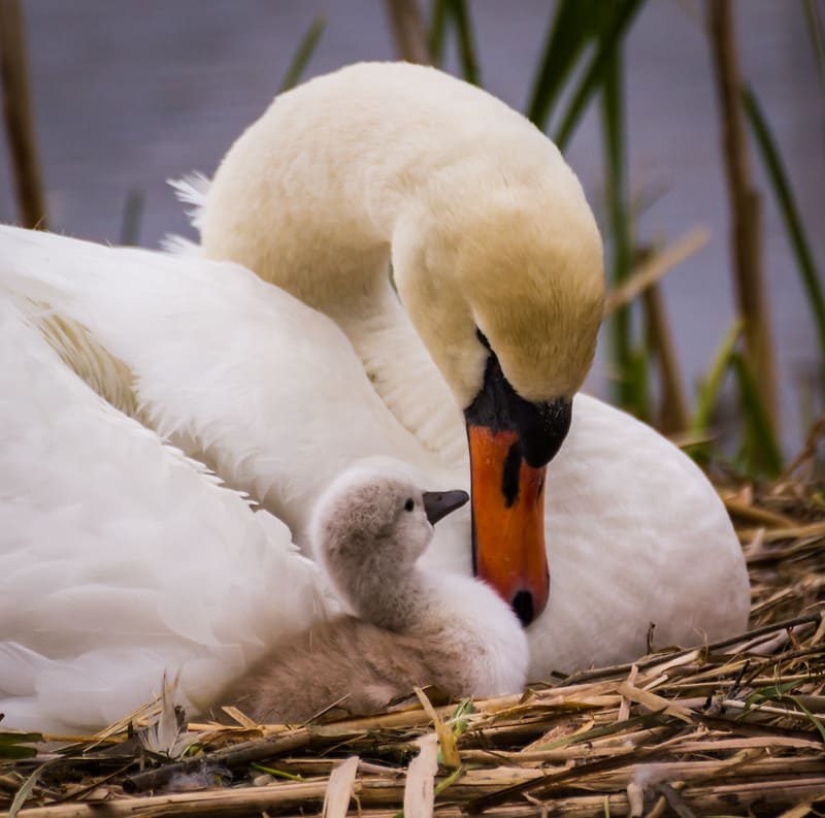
732, 728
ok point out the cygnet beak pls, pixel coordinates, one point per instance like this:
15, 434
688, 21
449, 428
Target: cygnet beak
439, 504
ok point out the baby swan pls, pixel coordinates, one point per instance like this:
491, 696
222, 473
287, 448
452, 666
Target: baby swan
407, 626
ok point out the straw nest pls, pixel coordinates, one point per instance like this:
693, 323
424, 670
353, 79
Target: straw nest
733, 728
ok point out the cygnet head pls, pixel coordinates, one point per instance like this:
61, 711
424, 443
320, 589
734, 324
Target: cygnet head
370, 527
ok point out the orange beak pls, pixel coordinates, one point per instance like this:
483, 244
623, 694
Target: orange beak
508, 520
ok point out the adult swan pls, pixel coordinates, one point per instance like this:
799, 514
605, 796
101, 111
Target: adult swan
496, 303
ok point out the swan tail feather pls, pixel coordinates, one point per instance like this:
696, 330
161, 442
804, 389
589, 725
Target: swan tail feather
192, 190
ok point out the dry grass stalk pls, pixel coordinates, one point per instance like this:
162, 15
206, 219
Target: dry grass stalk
807, 457
673, 412
743, 510
744, 206
673, 416
18, 116
654, 268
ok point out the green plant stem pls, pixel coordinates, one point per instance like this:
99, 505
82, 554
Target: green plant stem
814, 22
761, 447
438, 30
303, 54
610, 38
629, 389
470, 68
570, 31
790, 213
455, 13
709, 391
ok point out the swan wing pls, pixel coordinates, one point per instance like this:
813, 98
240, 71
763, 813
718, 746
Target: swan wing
120, 558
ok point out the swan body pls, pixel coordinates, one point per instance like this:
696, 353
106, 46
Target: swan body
278, 393
410, 627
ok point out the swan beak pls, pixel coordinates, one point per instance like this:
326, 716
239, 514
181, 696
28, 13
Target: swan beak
438, 504
511, 442
508, 521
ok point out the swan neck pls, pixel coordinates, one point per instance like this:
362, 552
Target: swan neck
387, 592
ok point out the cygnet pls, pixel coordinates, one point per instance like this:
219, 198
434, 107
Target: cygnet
406, 626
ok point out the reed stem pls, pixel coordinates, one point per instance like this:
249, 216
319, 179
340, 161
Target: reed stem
672, 415
744, 208
409, 31
18, 117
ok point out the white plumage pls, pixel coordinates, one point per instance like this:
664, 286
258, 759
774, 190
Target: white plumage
120, 557
115, 550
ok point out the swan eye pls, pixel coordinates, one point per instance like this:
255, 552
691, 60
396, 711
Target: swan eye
409, 505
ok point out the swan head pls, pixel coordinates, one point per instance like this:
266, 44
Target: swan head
372, 524
521, 267
505, 285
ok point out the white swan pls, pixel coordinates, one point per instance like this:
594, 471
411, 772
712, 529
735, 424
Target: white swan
498, 264
409, 626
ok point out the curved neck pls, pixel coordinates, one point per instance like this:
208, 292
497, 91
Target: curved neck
403, 374
337, 258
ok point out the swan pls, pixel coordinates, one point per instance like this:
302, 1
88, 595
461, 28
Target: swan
410, 627
484, 335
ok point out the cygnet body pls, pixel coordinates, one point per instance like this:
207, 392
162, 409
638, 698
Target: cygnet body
407, 626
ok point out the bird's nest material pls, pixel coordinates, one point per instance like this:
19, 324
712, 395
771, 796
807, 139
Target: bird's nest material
733, 728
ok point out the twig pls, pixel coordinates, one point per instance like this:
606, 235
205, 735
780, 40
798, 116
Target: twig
808, 452
590, 675
675, 802
553, 780
756, 514
236, 756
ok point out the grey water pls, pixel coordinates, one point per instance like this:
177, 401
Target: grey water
128, 94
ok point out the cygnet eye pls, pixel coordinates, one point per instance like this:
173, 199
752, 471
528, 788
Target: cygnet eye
409, 505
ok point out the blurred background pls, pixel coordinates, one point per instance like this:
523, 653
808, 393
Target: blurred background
126, 95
